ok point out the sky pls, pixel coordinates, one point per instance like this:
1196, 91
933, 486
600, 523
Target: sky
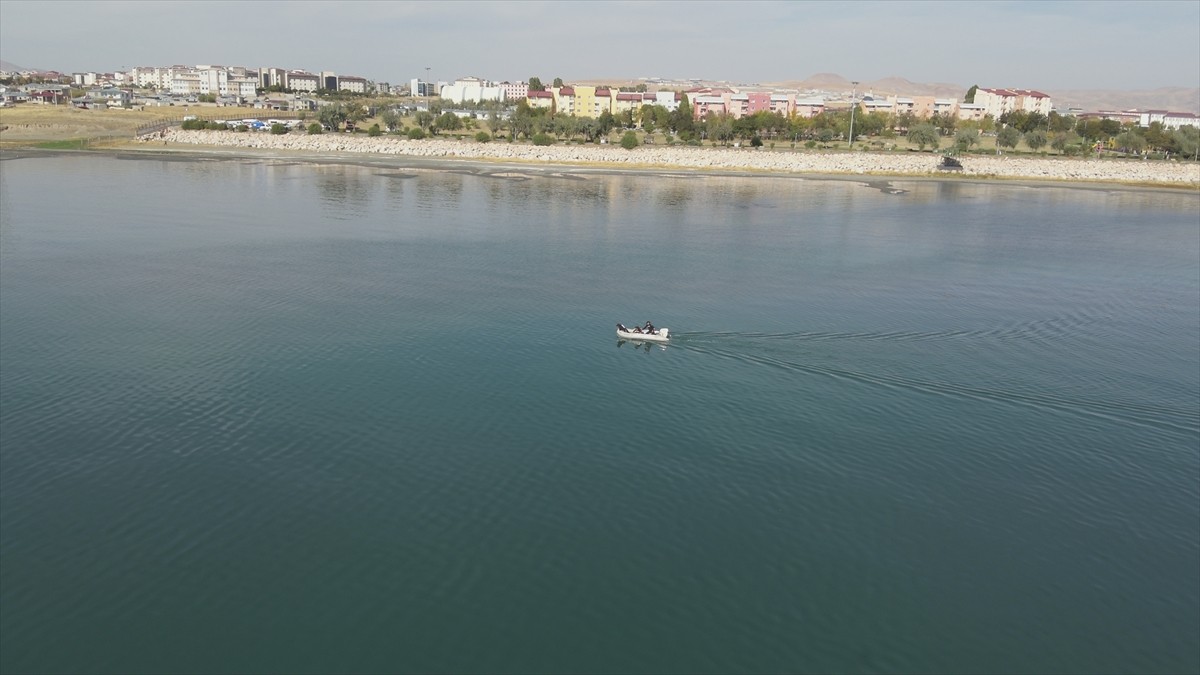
1044, 45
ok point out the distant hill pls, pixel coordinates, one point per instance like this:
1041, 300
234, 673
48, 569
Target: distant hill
12, 67
1174, 99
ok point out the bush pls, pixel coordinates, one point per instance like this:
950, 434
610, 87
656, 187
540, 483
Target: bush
415, 134
374, 131
483, 137
810, 144
314, 129
756, 142
629, 141
189, 125
542, 139
278, 129
243, 128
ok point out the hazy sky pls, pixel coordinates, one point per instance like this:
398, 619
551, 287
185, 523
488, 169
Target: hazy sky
1042, 45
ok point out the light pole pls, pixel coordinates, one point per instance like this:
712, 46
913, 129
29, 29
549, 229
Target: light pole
853, 91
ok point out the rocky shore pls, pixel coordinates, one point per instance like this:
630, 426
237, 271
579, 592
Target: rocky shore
1180, 174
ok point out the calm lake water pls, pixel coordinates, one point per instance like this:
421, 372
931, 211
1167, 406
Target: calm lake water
287, 418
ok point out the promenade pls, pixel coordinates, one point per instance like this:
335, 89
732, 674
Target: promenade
1182, 174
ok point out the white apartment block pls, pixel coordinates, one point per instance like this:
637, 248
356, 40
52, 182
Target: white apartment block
996, 102
298, 80
353, 84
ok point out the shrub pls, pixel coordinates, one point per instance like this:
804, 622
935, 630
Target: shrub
243, 127
483, 137
810, 144
756, 142
278, 129
629, 141
542, 139
415, 134
374, 131
314, 129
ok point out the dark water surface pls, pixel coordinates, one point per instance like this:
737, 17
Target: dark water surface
301, 419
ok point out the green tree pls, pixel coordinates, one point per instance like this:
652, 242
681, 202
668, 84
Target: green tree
922, 135
646, 118
278, 129
374, 130
965, 139
1060, 142
314, 129
629, 141
391, 119
447, 121
970, 96
605, 123
1036, 139
543, 139
416, 134
1008, 137
1131, 142
558, 82
424, 119
535, 84
944, 122
495, 125
483, 137
330, 116
682, 121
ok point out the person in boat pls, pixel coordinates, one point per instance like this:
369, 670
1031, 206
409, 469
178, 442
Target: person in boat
649, 328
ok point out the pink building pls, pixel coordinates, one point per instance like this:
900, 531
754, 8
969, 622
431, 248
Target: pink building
514, 91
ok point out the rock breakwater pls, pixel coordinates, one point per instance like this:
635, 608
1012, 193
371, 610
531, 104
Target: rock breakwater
715, 159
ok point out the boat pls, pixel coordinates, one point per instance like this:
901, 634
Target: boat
660, 335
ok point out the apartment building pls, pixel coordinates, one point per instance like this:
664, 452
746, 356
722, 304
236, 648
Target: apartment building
357, 85
996, 102
299, 80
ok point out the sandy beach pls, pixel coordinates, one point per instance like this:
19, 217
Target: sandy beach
716, 160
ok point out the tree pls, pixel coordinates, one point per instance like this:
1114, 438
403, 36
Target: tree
558, 82
944, 122
543, 139
447, 121
1131, 141
330, 116
1060, 142
605, 123
278, 129
416, 134
424, 119
923, 135
970, 97
390, 118
646, 117
353, 113
1035, 139
535, 84
629, 141
681, 118
483, 137
965, 139
314, 129
1008, 137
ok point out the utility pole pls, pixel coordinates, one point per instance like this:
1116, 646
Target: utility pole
853, 91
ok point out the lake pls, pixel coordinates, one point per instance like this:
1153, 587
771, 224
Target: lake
281, 417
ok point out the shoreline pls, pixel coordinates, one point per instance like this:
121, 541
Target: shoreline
444, 155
